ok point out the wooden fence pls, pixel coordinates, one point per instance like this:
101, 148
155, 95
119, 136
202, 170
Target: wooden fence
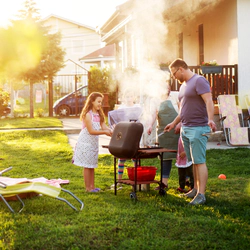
224, 83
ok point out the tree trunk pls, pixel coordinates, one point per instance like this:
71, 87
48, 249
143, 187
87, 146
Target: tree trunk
31, 101
16, 92
50, 98
12, 100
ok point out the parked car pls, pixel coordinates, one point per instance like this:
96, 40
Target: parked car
66, 105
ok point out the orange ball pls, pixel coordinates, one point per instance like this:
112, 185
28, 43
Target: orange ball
222, 176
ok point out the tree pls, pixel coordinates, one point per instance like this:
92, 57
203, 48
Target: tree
52, 56
101, 80
33, 52
4, 100
52, 60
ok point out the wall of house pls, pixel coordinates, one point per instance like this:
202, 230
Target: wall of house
77, 41
220, 33
226, 38
243, 20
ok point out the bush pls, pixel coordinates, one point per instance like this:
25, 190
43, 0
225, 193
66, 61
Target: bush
40, 112
101, 80
4, 100
4, 97
20, 101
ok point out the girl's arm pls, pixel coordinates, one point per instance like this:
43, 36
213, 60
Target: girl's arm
88, 123
104, 126
154, 111
153, 119
107, 131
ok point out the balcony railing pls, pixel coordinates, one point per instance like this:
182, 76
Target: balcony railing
224, 83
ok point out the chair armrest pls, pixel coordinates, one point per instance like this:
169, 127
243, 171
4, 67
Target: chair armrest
5, 170
223, 118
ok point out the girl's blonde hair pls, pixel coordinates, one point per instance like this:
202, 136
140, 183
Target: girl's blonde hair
89, 105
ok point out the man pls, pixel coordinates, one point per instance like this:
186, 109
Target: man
196, 116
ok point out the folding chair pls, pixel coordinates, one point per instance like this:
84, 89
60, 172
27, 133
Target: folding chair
232, 121
33, 187
247, 102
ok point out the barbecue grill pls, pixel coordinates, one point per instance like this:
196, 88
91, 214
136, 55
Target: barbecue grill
124, 144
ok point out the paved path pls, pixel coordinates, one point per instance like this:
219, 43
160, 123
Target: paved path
72, 127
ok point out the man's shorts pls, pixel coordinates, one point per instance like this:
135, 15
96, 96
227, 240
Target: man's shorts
195, 144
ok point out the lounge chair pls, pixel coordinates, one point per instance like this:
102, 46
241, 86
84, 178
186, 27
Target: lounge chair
232, 121
16, 190
247, 102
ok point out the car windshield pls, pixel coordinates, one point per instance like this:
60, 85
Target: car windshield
83, 91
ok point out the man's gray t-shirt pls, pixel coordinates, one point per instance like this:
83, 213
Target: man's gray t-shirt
193, 110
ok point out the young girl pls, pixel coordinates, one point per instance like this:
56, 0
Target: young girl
184, 168
86, 149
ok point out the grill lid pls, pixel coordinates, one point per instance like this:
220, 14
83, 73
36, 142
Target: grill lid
125, 139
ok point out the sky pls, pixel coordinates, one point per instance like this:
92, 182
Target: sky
88, 12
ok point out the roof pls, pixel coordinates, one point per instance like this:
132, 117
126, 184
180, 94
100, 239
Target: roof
121, 13
68, 20
107, 51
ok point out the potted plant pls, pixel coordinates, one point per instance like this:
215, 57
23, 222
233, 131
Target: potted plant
211, 68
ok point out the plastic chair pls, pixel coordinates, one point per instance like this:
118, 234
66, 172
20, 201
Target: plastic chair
16, 190
247, 102
232, 121
124, 114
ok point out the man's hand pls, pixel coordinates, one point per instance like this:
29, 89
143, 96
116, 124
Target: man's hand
212, 125
169, 127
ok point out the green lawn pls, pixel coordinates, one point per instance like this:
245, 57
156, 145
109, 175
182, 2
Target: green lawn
118, 222
37, 122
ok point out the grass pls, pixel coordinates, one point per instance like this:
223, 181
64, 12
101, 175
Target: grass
37, 122
118, 222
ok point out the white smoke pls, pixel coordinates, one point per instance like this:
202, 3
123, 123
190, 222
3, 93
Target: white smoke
148, 27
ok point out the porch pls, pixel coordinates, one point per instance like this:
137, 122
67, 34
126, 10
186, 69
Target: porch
224, 83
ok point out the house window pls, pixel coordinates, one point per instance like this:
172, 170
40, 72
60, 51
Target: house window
201, 43
180, 45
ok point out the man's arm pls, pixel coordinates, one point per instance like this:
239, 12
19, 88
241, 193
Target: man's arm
207, 98
172, 124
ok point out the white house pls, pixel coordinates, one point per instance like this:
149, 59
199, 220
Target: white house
77, 40
103, 57
151, 32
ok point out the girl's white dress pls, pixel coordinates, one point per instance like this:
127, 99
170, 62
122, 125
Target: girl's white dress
87, 146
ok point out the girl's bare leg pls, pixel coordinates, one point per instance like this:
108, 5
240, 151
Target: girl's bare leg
89, 178
92, 178
86, 176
